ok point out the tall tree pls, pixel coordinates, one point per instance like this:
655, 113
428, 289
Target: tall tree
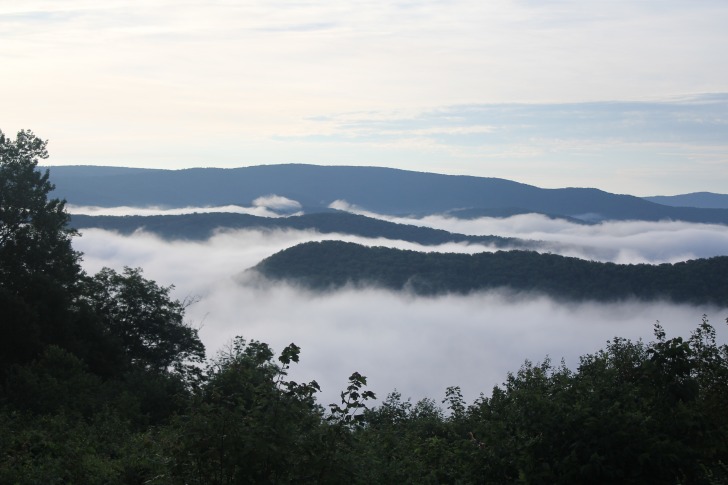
38, 266
34, 236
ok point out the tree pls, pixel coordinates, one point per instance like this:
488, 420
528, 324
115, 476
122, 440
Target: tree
34, 237
147, 324
38, 266
631, 413
250, 424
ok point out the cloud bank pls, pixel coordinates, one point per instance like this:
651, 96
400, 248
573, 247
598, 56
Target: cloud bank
268, 206
612, 241
417, 345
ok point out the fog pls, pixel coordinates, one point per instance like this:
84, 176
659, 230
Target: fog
614, 241
416, 345
262, 206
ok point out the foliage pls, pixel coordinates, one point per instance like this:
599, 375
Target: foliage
353, 400
62, 448
34, 238
249, 424
88, 365
147, 324
632, 413
38, 267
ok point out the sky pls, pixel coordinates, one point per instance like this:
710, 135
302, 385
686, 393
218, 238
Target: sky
626, 96
416, 345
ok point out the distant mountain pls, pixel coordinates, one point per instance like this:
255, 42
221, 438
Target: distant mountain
203, 226
330, 265
704, 200
382, 190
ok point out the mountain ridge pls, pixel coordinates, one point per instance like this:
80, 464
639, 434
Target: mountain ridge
376, 189
704, 200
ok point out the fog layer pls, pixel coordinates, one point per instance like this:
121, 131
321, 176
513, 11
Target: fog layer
614, 241
416, 345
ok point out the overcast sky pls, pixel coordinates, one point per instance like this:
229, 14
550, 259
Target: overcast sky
627, 96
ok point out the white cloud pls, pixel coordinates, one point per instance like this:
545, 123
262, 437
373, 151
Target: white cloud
277, 202
614, 241
343, 205
259, 209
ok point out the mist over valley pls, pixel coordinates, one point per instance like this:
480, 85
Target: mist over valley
431, 342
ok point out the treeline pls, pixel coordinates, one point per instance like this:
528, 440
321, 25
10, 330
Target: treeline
102, 382
332, 264
201, 226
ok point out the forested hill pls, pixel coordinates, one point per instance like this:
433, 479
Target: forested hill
333, 264
382, 190
201, 226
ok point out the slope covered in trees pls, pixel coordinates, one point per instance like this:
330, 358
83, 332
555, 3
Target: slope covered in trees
332, 264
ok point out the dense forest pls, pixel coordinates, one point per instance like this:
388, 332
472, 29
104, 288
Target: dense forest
102, 381
332, 264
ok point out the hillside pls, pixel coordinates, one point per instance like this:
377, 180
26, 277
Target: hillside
382, 190
333, 264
